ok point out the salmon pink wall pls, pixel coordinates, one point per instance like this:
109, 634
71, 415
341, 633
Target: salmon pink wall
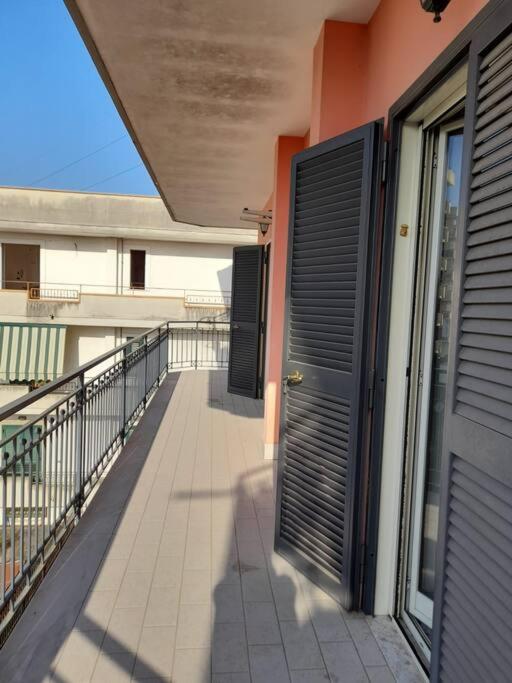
339, 79
286, 147
402, 42
359, 71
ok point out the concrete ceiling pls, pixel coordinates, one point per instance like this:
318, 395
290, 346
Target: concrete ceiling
205, 86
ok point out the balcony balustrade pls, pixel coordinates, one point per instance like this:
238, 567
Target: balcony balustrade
145, 522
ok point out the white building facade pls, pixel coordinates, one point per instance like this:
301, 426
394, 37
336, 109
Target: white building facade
82, 273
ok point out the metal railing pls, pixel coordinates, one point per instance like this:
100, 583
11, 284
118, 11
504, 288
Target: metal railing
201, 344
72, 292
51, 464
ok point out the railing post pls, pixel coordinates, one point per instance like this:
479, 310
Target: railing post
125, 373
197, 342
79, 445
168, 344
158, 367
145, 369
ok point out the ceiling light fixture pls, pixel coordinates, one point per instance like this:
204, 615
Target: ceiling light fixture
436, 7
262, 218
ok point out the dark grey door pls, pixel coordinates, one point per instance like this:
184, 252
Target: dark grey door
335, 189
472, 629
244, 348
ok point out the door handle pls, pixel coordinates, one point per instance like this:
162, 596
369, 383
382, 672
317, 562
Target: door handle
294, 378
234, 326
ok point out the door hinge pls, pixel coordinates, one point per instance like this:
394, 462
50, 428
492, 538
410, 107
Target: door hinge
262, 327
385, 154
371, 389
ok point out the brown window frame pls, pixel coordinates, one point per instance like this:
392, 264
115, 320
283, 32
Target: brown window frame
140, 282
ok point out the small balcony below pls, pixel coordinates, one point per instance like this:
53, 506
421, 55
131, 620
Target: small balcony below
82, 304
170, 574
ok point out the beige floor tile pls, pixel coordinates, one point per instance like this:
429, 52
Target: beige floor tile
162, 607
124, 630
192, 666
79, 656
194, 629
134, 589
114, 667
155, 653
97, 610
196, 587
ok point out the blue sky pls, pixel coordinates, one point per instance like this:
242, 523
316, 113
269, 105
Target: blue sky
54, 108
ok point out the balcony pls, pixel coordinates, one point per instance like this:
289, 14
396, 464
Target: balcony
86, 304
160, 563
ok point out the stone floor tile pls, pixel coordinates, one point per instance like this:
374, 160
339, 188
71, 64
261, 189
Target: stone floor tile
310, 676
134, 589
247, 528
197, 556
192, 547
396, 651
194, 629
369, 652
110, 574
380, 674
343, 663
162, 607
97, 610
124, 630
172, 544
229, 649
328, 623
114, 667
268, 663
301, 646
78, 658
256, 585
227, 604
143, 557
192, 666
261, 624
168, 572
251, 554
195, 587
155, 653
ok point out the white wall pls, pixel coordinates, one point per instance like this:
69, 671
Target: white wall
178, 265
85, 343
99, 263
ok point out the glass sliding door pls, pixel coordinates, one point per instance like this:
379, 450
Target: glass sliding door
430, 334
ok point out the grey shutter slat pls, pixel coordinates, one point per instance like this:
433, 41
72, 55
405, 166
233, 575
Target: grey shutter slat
472, 627
244, 348
330, 246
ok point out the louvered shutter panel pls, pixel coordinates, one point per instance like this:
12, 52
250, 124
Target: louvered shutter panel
330, 250
473, 604
244, 351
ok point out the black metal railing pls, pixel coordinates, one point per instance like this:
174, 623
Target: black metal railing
201, 344
50, 465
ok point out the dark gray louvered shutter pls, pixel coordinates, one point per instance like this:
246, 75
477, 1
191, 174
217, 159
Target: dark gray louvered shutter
330, 250
243, 371
472, 632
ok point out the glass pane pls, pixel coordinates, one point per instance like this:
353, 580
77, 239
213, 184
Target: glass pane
439, 365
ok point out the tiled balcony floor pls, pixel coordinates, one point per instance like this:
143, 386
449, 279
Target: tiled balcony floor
170, 574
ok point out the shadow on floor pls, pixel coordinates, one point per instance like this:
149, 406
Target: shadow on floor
171, 573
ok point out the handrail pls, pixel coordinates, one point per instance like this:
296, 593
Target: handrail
117, 290
54, 461
22, 402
